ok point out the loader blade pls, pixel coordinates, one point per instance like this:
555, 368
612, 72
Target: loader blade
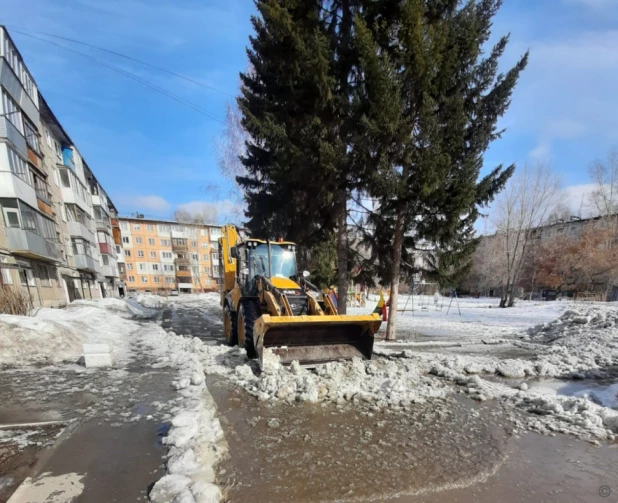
315, 339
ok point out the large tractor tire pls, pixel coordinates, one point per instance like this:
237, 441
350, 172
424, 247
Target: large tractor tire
230, 325
248, 313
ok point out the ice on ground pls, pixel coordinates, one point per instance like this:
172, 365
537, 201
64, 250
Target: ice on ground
195, 439
150, 301
379, 383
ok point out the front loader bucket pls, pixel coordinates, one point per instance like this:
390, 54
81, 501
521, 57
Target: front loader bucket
315, 339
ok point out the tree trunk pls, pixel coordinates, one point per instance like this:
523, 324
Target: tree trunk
342, 251
395, 274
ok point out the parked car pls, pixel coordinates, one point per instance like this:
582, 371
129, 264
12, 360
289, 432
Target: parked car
174, 292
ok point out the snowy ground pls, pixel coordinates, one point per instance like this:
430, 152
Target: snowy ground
552, 366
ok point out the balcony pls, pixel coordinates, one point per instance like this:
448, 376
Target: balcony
103, 224
73, 190
34, 158
180, 247
107, 249
185, 285
67, 158
109, 271
86, 262
43, 201
183, 274
182, 261
29, 244
115, 222
79, 230
11, 133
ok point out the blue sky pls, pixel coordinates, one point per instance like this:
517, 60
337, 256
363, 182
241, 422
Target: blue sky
153, 155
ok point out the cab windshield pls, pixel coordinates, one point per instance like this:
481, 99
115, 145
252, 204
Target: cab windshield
283, 262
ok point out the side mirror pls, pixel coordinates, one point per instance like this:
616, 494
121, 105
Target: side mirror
306, 274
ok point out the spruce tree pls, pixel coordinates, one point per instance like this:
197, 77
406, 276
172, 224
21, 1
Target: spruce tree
430, 100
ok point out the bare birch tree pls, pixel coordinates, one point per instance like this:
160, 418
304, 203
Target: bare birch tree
604, 175
526, 203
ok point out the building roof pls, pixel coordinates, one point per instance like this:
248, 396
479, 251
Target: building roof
166, 221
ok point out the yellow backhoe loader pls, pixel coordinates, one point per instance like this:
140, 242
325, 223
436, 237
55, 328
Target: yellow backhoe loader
267, 304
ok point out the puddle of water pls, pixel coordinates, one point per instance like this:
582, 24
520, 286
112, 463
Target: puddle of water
314, 453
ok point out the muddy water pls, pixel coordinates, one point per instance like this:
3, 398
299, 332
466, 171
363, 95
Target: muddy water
312, 453
543, 469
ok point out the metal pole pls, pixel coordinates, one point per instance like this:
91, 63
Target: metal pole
269, 268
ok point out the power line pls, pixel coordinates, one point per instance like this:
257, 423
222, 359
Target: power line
131, 58
129, 75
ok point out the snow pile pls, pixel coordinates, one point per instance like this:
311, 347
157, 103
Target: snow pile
151, 301
58, 335
195, 440
379, 383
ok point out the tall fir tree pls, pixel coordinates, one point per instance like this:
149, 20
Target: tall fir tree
298, 114
431, 100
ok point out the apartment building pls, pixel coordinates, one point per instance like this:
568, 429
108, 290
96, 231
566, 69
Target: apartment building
162, 255
57, 227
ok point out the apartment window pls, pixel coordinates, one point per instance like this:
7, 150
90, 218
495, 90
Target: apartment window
12, 112
169, 280
144, 279
215, 233
58, 151
11, 217
206, 270
215, 257
205, 257
140, 253
6, 273
195, 256
124, 226
127, 253
48, 138
150, 228
178, 228
202, 232
215, 270
153, 254
163, 229
155, 267
32, 136
204, 245
43, 274
126, 240
194, 244
27, 277
130, 267
18, 166
141, 266
117, 248
156, 279
131, 279
151, 241
166, 254
138, 240
136, 227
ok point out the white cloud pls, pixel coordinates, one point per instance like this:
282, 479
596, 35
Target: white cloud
219, 211
577, 198
541, 152
155, 205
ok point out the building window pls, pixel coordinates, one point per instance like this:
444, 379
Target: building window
206, 258
130, 267
124, 226
156, 279
127, 253
140, 253
27, 277
141, 266
126, 240
18, 166
144, 279
136, 227
169, 280
166, 242
202, 232
32, 136
204, 245
215, 257
195, 256
163, 229
151, 241
48, 138
215, 233
150, 228
6, 273
206, 270
155, 267
166, 254
138, 240
43, 274
194, 244
131, 279
153, 254
11, 217
215, 271
12, 112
